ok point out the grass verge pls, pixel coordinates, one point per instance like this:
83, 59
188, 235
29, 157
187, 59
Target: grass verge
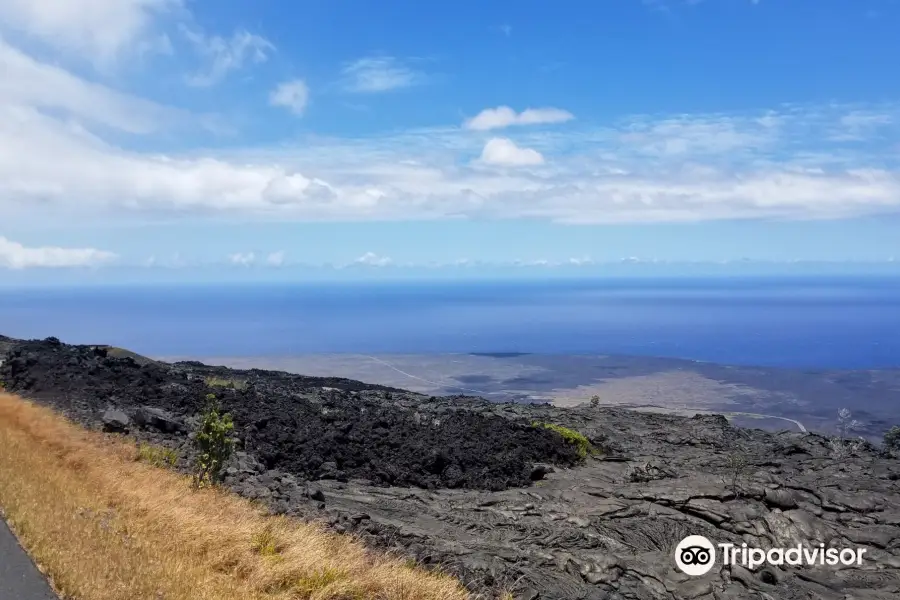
105, 526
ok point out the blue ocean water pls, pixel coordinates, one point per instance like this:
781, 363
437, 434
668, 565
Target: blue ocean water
798, 322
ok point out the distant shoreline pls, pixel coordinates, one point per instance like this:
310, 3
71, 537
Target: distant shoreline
772, 398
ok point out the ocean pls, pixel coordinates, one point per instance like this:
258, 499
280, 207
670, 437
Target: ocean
835, 322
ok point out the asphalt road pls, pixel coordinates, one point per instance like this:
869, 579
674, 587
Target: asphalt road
19, 578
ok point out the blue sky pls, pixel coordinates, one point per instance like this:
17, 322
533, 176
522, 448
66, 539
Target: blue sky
224, 137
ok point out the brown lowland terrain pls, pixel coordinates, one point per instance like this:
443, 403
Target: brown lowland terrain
771, 398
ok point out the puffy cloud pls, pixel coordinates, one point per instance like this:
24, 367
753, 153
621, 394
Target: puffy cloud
292, 95
379, 74
293, 188
504, 152
275, 259
14, 255
370, 259
504, 116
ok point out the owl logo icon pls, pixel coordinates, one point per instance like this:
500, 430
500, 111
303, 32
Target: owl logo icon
695, 555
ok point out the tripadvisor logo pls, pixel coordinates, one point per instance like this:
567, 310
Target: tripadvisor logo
695, 555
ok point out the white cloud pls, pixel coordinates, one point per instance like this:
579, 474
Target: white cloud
860, 118
109, 32
858, 125
246, 259
14, 255
504, 116
99, 30
379, 74
693, 136
370, 259
225, 54
605, 175
63, 161
29, 83
292, 95
50, 161
50, 171
174, 261
504, 152
242, 259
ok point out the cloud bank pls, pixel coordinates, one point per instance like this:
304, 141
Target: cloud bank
784, 164
14, 255
75, 149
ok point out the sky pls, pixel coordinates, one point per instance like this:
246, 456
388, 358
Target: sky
228, 139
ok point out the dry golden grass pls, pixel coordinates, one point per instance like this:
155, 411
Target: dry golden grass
105, 526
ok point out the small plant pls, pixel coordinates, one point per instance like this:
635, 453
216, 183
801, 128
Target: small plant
846, 423
736, 469
265, 543
892, 440
841, 446
215, 443
595, 401
844, 448
156, 455
582, 445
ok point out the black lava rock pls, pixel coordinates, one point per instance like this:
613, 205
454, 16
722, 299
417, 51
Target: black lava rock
349, 430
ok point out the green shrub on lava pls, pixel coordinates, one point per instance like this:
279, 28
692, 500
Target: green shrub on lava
581, 443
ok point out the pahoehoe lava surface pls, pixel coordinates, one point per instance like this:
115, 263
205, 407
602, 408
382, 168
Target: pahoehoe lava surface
340, 434
350, 455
